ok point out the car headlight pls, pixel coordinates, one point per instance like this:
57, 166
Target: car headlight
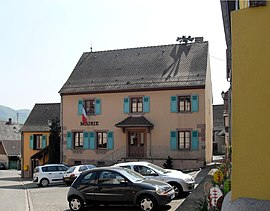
189, 180
160, 191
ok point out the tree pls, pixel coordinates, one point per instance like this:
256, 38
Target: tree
54, 141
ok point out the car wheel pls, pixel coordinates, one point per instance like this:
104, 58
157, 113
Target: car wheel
76, 203
147, 203
177, 189
44, 182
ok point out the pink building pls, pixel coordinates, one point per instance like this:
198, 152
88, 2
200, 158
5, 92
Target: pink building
144, 103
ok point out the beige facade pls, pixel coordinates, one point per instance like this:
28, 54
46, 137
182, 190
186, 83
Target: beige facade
144, 103
156, 141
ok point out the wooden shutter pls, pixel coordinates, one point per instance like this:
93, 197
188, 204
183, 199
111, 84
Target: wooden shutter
92, 140
69, 140
98, 107
85, 140
110, 140
80, 107
31, 142
44, 141
195, 140
146, 104
194, 103
173, 141
126, 105
174, 103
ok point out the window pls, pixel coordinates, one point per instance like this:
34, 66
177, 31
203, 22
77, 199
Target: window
184, 103
136, 105
110, 177
89, 106
38, 141
101, 140
78, 139
143, 170
184, 139
89, 178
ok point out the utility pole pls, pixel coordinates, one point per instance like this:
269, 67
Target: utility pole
17, 118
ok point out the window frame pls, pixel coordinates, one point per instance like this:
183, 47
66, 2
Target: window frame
90, 111
187, 108
37, 146
98, 147
78, 145
186, 139
137, 98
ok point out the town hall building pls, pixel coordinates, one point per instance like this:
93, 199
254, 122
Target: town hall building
143, 103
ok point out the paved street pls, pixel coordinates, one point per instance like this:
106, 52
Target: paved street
11, 188
17, 195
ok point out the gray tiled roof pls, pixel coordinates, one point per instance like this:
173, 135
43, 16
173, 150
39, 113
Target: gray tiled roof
135, 121
39, 116
162, 67
10, 131
218, 119
12, 147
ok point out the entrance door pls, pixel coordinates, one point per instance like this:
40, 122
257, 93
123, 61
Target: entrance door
136, 144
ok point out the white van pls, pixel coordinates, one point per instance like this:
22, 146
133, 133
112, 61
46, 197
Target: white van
49, 173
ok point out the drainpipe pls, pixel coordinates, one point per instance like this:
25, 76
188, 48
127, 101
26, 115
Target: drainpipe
150, 137
62, 132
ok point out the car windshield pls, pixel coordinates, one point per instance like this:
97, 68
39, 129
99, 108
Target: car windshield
90, 166
132, 175
71, 169
157, 168
36, 170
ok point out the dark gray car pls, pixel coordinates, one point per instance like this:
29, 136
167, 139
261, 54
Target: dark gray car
116, 185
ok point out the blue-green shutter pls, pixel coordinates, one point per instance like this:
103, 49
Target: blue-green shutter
92, 140
110, 140
85, 140
126, 105
194, 103
195, 140
80, 107
174, 104
69, 140
98, 107
31, 142
44, 141
173, 140
146, 104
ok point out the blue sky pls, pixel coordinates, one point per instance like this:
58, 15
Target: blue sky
41, 41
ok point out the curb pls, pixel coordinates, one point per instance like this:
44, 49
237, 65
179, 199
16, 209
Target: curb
29, 204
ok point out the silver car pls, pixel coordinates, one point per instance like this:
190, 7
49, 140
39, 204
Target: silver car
180, 181
74, 171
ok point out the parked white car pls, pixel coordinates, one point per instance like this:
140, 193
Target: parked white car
180, 181
74, 171
49, 173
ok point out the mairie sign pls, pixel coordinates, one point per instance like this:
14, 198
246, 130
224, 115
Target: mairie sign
91, 123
